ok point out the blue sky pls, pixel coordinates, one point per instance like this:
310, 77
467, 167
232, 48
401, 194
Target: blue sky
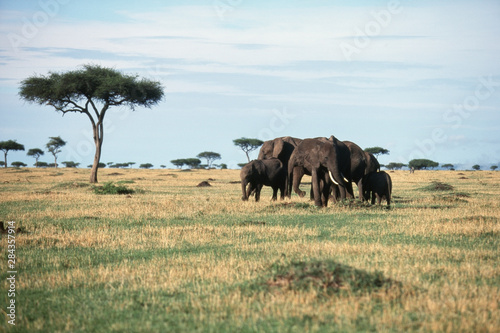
420, 78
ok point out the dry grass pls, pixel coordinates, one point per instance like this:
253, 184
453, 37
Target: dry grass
192, 257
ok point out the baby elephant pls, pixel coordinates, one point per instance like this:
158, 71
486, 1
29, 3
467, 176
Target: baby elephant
267, 172
379, 184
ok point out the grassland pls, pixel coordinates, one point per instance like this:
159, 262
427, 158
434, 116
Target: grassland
173, 257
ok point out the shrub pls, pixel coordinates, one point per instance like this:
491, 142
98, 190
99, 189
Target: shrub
110, 188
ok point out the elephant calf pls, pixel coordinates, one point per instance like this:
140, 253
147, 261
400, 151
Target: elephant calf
257, 173
379, 185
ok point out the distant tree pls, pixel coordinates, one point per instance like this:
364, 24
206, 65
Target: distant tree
2, 163
146, 166
448, 166
91, 90
394, 165
42, 164
248, 145
210, 156
101, 165
241, 165
70, 164
18, 164
223, 166
129, 164
178, 163
192, 163
9, 145
493, 167
54, 146
476, 167
377, 151
163, 166
420, 164
36, 153
119, 165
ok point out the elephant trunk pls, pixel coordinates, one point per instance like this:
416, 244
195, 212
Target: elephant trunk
335, 175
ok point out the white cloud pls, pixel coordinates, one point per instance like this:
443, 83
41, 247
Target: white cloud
425, 59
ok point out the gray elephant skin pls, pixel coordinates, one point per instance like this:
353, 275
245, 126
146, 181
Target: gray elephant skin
257, 173
362, 163
327, 161
379, 186
280, 148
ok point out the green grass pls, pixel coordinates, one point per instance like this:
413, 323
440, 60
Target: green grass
172, 257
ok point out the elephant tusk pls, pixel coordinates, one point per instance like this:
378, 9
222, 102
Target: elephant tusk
345, 179
331, 177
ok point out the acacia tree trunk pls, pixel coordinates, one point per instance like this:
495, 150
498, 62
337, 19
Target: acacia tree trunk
98, 138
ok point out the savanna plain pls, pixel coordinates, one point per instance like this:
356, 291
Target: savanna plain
172, 257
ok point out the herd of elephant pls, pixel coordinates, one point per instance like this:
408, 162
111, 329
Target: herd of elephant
332, 164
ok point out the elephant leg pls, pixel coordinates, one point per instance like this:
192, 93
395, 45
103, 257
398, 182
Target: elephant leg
244, 190
379, 199
258, 188
325, 196
360, 189
250, 189
275, 193
335, 193
282, 191
316, 188
373, 198
388, 198
349, 189
298, 173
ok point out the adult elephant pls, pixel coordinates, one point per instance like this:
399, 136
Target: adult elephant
280, 148
325, 160
362, 163
358, 166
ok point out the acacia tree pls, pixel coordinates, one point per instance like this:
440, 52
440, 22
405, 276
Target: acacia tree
377, 151
210, 156
54, 147
9, 145
36, 153
91, 90
248, 145
420, 164
448, 166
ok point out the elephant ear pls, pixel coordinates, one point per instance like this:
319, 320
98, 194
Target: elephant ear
278, 147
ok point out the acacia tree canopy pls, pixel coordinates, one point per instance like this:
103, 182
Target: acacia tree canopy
91, 90
6, 146
248, 145
54, 146
377, 151
36, 153
420, 164
210, 156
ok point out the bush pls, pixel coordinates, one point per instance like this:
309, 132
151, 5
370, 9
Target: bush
110, 188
